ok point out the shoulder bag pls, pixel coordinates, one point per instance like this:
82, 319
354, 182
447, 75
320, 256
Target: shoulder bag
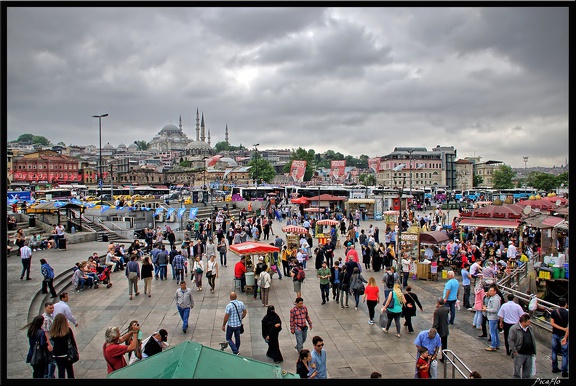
72, 353
39, 354
239, 317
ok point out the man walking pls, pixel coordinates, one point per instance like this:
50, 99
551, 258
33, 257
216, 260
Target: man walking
26, 257
48, 316
232, 324
559, 323
62, 307
451, 292
440, 323
319, 357
298, 319
509, 314
48, 282
178, 264
523, 344
324, 275
428, 340
184, 303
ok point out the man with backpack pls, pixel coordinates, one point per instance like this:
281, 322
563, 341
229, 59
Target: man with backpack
298, 276
389, 278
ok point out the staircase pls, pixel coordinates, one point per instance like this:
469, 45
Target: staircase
102, 232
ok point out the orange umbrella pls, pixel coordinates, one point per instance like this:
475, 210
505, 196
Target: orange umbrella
249, 248
327, 222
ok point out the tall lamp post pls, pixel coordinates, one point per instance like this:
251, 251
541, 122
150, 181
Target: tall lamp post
399, 243
100, 156
204, 188
256, 166
525, 172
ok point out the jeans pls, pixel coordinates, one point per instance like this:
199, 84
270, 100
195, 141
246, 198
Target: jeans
222, 258
184, 314
50, 369
48, 284
162, 271
174, 277
300, 337
557, 346
452, 305
405, 279
25, 268
343, 293
396, 317
477, 319
179, 274
325, 291
494, 333
336, 291
356, 297
234, 346
64, 367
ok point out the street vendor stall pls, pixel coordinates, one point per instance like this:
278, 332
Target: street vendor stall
427, 270
250, 248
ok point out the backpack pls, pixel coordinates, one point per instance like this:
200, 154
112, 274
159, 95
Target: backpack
300, 275
390, 280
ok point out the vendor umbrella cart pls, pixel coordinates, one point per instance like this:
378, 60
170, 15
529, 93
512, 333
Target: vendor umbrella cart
426, 270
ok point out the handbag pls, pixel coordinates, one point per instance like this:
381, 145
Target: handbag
239, 317
132, 275
383, 319
39, 355
361, 289
208, 274
72, 353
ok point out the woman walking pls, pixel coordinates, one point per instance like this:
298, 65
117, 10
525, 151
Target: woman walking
61, 333
222, 249
393, 306
303, 367
146, 274
271, 327
371, 297
344, 286
409, 308
212, 272
356, 281
36, 334
197, 271
133, 275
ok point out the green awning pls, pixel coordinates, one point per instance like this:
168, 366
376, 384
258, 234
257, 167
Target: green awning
192, 360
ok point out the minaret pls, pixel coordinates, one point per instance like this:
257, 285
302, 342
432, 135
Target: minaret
202, 130
180, 122
226, 135
208, 137
197, 125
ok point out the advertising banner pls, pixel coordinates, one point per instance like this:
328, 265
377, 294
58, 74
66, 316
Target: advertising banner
297, 170
338, 170
374, 164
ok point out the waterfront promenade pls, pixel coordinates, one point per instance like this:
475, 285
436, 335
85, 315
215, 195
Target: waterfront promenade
355, 349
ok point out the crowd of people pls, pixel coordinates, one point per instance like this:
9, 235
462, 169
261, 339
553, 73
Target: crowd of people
352, 275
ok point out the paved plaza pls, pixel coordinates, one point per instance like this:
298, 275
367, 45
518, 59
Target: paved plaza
354, 348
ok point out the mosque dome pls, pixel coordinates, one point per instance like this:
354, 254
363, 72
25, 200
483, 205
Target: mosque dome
198, 145
132, 146
170, 129
108, 146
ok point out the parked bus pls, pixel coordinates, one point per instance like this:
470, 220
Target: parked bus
517, 193
440, 194
129, 191
253, 193
54, 194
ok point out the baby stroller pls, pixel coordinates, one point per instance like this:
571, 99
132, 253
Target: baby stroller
104, 277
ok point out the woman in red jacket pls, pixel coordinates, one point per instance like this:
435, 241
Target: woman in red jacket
371, 297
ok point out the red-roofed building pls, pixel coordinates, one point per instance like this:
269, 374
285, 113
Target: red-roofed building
46, 165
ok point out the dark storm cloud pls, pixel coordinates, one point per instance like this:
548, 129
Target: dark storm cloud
492, 82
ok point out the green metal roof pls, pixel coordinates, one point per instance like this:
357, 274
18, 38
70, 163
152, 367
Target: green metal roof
192, 360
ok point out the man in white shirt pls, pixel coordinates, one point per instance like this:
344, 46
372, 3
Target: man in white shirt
62, 307
512, 251
26, 257
509, 314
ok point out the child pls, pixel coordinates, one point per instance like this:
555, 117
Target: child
423, 365
478, 303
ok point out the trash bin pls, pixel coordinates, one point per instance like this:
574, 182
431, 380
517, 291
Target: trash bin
32, 220
249, 278
61, 243
105, 237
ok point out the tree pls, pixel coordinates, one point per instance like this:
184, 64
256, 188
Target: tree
546, 181
33, 139
261, 169
184, 163
303, 155
142, 145
477, 180
61, 143
367, 179
502, 178
25, 138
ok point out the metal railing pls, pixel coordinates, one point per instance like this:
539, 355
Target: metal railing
457, 365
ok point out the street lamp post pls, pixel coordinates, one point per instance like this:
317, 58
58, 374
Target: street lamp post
100, 156
256, 165
410, 151
525, 172
399, 243
204, 188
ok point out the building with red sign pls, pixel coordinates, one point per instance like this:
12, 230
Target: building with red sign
48, 166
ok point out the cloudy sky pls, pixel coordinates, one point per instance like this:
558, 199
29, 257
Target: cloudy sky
492, 82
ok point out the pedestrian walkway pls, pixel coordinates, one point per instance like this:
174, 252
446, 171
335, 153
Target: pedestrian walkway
355, 349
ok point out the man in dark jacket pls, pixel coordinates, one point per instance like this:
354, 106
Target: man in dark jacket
523, 345
440, 323
155, 343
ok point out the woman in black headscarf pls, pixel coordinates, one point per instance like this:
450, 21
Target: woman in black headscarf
271, 327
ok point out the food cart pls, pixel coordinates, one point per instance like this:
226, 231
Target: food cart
425, 270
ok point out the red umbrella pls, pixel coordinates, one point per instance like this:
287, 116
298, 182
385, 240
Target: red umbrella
327, 222
294, 229
212, 161
250, 248
299, 200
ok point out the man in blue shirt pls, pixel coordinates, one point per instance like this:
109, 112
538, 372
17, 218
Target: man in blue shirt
319, 357
451, 292
428, 340
234, 313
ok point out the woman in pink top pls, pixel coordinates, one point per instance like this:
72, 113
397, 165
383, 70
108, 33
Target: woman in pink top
371, 297
478, 303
